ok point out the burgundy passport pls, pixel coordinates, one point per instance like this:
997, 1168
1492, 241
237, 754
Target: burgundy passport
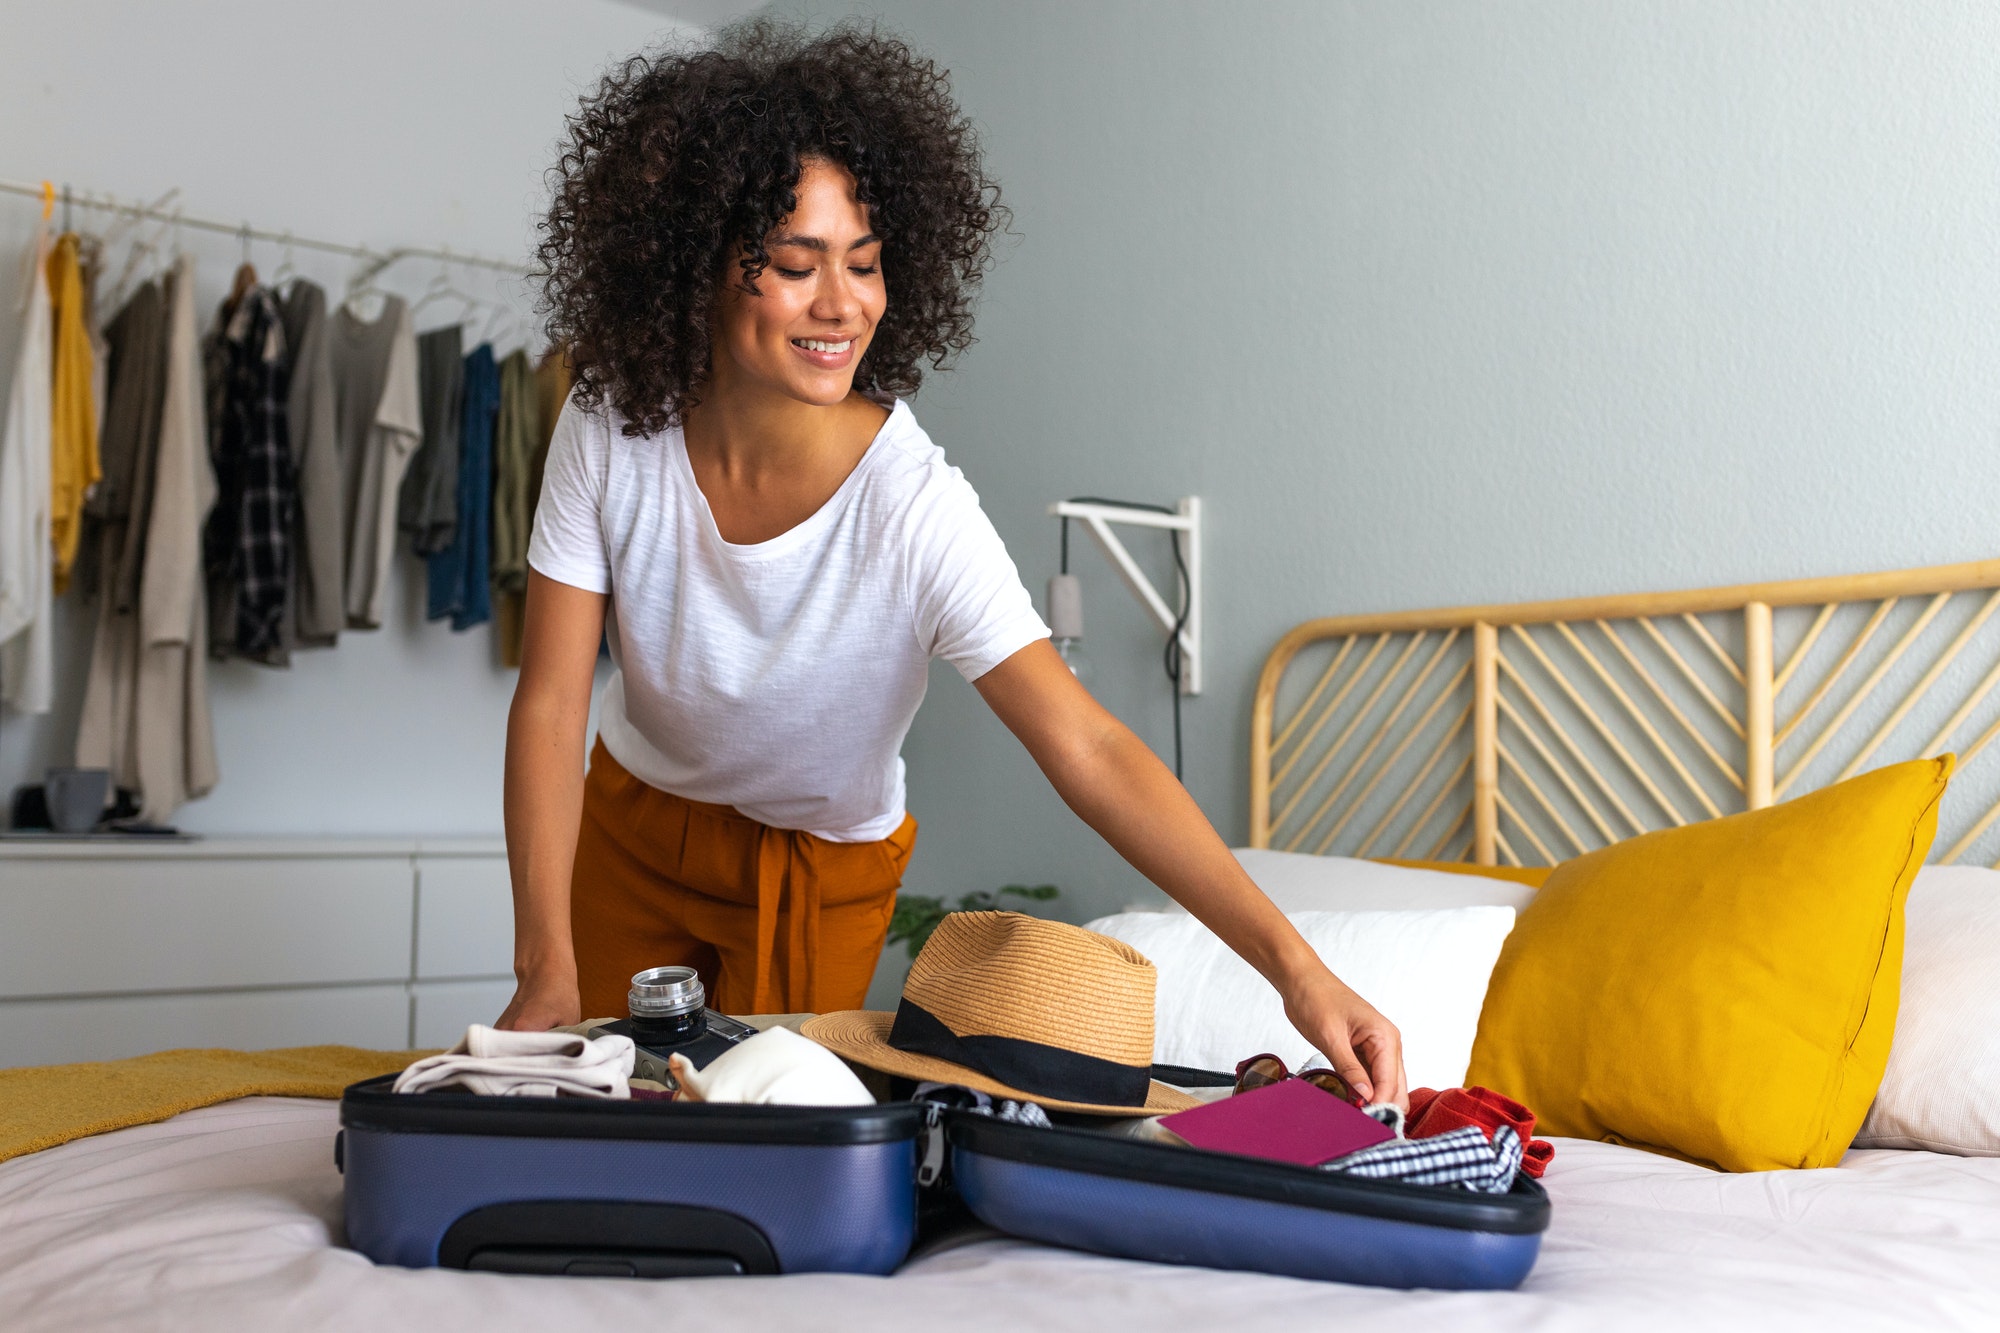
1290, 1121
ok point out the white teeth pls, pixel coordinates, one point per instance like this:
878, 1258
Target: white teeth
815, 345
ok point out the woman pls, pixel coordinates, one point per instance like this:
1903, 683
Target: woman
751, 249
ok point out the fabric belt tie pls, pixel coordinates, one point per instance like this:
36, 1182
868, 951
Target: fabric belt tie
786, 887
1046, 1071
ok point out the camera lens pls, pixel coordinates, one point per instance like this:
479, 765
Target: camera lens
665, 1005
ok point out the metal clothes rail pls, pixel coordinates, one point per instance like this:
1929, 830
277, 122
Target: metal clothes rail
167, 210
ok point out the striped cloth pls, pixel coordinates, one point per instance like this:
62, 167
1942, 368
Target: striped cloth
1461, 1157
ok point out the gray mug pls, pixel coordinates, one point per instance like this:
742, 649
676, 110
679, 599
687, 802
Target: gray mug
76, 797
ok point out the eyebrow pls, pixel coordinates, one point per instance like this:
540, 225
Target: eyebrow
816, 243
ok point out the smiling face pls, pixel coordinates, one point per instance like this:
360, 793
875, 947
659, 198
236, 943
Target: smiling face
817, 305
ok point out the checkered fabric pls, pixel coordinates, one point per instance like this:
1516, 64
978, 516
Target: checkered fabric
249, 535
1461, 1157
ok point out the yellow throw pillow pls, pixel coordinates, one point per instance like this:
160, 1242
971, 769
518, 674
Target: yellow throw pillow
1723, 992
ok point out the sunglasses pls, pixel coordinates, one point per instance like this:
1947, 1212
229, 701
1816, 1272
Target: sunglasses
1263, 1070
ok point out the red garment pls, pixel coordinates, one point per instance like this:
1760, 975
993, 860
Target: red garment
1433, 1112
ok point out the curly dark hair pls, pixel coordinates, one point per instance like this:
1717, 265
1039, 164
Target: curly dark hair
682, 155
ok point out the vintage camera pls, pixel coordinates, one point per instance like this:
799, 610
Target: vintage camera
667, 1014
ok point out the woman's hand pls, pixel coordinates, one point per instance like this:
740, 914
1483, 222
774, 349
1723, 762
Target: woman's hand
540, 1004
1121, 789
1363, 1047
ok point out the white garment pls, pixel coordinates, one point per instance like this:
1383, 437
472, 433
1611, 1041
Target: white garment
27, 644
779, 677
777, 1067
494, 1063
173, 737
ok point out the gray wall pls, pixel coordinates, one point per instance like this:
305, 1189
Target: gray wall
1450, 302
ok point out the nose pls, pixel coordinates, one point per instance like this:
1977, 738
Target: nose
835, 299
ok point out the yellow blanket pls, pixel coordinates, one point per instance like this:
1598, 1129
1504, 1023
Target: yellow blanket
42, 1107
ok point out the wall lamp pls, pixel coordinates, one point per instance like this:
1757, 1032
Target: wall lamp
1181, 623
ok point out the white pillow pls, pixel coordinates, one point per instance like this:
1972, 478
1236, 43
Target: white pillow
1425, 970
1297, 882
1942, 1087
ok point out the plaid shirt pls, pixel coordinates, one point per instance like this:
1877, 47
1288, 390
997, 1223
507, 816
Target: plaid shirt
249, 535
1461, 1157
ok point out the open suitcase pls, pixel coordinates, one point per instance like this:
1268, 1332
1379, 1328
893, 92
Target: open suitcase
652, 1189
625, 1188
1117, 1196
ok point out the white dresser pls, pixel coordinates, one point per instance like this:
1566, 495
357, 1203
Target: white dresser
116, 949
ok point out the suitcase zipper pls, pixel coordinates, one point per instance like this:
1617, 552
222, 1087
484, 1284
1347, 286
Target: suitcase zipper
930, 1156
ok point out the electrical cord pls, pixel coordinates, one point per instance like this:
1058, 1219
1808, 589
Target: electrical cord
1171, 659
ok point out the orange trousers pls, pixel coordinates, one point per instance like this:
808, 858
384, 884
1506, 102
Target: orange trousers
774, 920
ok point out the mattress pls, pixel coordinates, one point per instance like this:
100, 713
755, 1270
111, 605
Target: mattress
229, 1217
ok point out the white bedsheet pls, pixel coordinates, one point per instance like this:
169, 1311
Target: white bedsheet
228, 1218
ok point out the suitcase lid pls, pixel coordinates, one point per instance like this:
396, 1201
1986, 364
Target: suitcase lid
370, 1105
1522, 1211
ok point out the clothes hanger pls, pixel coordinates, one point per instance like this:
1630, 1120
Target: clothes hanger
504, 325
490, 330
128, 218
286, 272
360, 288
245, 280
442, 288
142, 260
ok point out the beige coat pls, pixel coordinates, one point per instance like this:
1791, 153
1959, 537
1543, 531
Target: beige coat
146, 714
174, 737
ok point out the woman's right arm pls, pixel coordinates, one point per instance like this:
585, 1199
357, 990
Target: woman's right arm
562, 627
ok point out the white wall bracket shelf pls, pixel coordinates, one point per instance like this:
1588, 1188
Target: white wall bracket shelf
1098, 519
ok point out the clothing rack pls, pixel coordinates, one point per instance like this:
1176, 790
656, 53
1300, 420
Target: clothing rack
374, 262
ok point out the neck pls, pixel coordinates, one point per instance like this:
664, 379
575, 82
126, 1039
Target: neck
749, 431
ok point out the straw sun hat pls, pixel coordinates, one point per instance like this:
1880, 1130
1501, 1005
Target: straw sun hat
1018, 1007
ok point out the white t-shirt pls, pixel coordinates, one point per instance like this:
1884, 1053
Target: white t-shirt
780, 677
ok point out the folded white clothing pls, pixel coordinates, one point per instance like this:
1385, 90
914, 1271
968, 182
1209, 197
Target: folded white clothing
494, 1063
777, 1067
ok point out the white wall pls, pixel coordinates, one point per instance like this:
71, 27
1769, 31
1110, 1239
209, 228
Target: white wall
376, 122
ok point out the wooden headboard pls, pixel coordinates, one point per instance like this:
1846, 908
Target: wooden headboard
1529, 733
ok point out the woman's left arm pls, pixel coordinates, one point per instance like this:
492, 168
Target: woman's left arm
1120, 788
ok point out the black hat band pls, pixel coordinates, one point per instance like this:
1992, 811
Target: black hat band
1044, 1071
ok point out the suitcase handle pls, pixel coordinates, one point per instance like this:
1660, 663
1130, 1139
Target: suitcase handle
600, 1238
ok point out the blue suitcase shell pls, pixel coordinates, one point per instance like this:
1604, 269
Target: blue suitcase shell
625, 1188
1091, 1191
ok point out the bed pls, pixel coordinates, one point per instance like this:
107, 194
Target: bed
1496, 736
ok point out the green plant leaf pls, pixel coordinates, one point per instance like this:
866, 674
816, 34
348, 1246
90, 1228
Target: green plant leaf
1037, 892
915, 917
917, 914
